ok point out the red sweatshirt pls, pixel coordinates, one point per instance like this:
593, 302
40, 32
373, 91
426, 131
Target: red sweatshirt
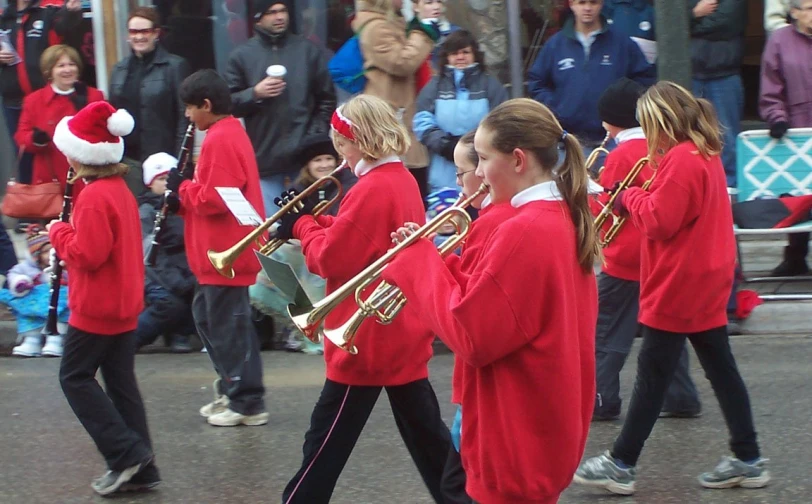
482, 229
338, 248
622, 256
226, 160
102, 251
689, 251
523, 327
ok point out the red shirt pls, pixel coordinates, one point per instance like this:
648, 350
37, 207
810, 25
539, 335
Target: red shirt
102, 251
338, 248
43, 109
523, 328
226, 160
689, 251
622, 256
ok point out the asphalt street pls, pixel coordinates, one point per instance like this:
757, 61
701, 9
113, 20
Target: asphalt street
46, 456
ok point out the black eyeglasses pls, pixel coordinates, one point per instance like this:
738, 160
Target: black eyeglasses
460, 174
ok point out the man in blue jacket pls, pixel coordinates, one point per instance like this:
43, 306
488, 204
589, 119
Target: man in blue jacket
578, 63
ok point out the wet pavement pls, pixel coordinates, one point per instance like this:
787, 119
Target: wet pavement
46, 457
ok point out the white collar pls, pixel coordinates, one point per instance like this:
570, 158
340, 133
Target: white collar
630, 134
545, 191
363, 167
60, 92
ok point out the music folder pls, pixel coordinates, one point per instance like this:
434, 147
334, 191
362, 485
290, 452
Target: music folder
284, 278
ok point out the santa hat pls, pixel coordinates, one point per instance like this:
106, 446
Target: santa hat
93, 135
156, 165
36, 239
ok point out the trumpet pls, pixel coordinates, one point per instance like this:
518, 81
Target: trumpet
606, 211
386, 300
593, 156
223, 261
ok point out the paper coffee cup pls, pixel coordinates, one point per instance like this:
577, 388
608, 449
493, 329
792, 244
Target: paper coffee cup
276, 71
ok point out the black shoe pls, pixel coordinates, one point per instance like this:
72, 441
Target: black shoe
600, 417
180, 344
793, 264
146, 479
681, 414
113, 480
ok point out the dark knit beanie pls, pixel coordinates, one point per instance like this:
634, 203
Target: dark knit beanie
314, 146
262, 6
618, 103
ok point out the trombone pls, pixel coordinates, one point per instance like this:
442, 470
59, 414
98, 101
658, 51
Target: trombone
606, 211
386, 300
223, 261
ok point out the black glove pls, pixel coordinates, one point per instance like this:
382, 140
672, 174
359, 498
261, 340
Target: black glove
428, 29
172, 202
175, 179
289, 220
40, 137
779, 129
307, 206
447, 150
620, 205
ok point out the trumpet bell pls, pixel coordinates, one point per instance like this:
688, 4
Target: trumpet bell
338, 337
301, 318
222, 261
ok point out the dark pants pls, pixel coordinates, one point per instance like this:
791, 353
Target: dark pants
223, 319
8, 257
116, 420
618, 307
421, 175
656, 365
165, 314
26, 165
337, 421
453, 483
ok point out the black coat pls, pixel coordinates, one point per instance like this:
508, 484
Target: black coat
278, 125
717, 40
171, 269
160, 119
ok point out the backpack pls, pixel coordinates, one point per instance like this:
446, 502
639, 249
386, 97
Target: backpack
347, 65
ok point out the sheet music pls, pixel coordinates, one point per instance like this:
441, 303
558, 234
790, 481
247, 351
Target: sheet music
649, 48
239, 207
5, 45
285, 279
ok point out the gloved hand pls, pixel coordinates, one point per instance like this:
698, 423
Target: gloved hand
289, 220
448, 148
175, 179
620, 205
40, 137
779, 129
23, 286
427, 28
172, 202
613, 189
307, 206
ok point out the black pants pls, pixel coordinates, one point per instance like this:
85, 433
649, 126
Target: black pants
618, 307
421, 175
336, 424
453, 482
655, 367
116, 420
223, 319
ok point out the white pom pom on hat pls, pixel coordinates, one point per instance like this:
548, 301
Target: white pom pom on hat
93, 135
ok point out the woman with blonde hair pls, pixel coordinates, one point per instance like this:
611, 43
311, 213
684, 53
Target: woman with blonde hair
687, 229
393, 55
526, 348
369, 137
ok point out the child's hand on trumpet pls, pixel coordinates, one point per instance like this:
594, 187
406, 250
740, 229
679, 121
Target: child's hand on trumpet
407, 230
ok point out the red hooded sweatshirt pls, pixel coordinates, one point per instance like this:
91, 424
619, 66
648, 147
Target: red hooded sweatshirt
523, 327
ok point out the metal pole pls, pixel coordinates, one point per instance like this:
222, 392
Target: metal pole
515, 49
673, 41
99, 45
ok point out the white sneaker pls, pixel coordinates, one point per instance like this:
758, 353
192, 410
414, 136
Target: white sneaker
219, 405
53, 346
230, 418
30, 347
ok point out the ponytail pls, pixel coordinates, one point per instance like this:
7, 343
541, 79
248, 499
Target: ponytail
573, 183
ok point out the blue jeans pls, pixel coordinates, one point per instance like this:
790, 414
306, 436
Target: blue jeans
165, 314
271, 187
26, 165
727, 96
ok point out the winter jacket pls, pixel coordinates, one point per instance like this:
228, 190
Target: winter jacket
786, 74
391, 59
634, 18
27, 271
775, 14
569, 81
42, 27
160, 120
42, 110
451, 105
171, 270
717, 40
277, 125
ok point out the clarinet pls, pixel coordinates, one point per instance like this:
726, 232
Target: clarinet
50, 328
185, 158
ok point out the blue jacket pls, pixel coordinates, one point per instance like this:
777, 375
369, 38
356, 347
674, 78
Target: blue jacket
634, 18
449, 106
570, 84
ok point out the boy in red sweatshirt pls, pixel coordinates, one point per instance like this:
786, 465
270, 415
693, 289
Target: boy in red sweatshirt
370, 138
686, 273
221, 306
101, 247
619, 280
527, 348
